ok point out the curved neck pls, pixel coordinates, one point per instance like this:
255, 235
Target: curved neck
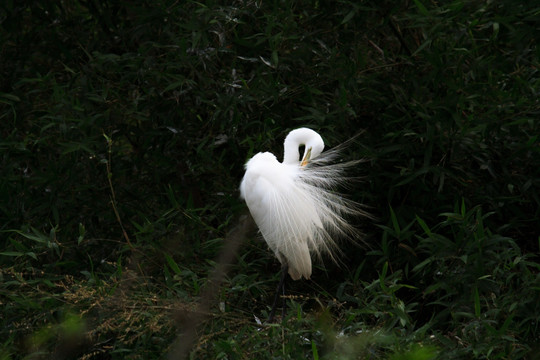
303, 136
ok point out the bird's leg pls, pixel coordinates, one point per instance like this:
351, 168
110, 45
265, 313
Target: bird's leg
284, 304
280, 289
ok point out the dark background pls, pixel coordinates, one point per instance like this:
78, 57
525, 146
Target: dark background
124, 127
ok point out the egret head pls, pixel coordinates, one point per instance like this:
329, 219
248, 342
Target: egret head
313, 143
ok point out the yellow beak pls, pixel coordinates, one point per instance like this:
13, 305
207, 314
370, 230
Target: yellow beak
306, 158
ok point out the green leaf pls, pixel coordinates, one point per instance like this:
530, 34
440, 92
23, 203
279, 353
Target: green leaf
395, 222
421, 8
37, 236
11, 253
275, 58
10, 97
423, 225
314, 350
172, 264
348, 17
477, 307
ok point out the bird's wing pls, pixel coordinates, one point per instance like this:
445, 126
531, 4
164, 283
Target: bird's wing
285, 216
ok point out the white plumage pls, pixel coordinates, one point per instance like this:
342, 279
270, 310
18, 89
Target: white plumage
293, 202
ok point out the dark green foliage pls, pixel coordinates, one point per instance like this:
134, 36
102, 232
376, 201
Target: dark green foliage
124, 130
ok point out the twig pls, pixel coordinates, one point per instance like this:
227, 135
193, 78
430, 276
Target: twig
113, 195
190, 321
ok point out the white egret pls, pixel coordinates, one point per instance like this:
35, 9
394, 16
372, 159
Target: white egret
294, 203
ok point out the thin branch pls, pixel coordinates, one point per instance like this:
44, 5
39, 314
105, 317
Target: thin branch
113, 194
